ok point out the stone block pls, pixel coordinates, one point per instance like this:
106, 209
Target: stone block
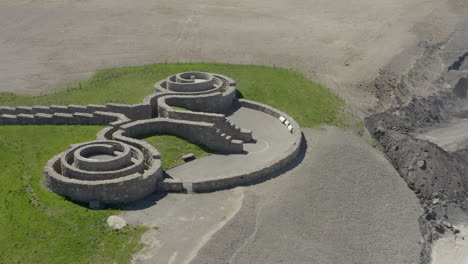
95, 107
59, 108
188, 157
26, 119
7, 110
44, 119
78, 108
42, 109
23, 110
63, 119
8, 120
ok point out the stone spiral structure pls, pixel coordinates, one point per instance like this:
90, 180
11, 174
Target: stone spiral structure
104, 170
192, 82
118, 167
196, 91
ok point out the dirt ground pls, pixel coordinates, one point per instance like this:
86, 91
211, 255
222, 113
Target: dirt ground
45, 44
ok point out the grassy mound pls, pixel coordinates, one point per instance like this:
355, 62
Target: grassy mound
309, 103
40, 227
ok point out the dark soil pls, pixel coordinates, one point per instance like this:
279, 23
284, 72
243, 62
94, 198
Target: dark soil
426, 96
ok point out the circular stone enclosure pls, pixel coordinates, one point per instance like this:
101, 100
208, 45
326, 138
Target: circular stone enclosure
103, 157
192, 82
104, 170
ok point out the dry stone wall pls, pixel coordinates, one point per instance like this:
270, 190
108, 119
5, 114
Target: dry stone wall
199, 133
123, 173
118, 167
245, 177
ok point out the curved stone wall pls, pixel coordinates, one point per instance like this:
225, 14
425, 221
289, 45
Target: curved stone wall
202, 82
199, 133
192, 82
213, 94
245, 177
118, 167
104, 170
219, 120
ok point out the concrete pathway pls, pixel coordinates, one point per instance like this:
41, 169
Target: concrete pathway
272, 138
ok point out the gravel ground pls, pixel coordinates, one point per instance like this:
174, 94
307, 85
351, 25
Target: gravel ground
180, 223
47, 43
344, 203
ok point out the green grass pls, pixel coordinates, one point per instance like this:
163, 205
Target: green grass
172, 148
309, 103
180, 108
38, 226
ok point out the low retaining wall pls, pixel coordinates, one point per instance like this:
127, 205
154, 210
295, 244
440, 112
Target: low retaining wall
208, 103
219, 120
135, 112
106, 133
96, 118
247, 177
196, 132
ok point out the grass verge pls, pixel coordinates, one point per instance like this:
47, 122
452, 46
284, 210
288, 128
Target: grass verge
290, 91
172, 148
38, 226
